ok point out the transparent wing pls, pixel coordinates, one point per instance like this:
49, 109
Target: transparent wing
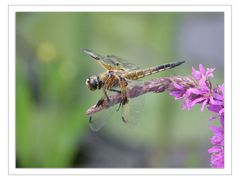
92, 54
132, 111
119, 63
99, 58
111, 62
99, 119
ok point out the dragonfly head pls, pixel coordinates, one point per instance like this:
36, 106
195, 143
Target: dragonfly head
93, 83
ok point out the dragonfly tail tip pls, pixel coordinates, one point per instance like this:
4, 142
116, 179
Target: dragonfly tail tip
179, 63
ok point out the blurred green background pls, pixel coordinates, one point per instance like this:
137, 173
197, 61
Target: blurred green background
51, 97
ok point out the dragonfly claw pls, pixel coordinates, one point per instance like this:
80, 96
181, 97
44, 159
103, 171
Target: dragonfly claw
124, 100
122, 103
99, 103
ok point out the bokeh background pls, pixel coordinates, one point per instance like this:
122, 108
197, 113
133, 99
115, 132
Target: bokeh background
51, 97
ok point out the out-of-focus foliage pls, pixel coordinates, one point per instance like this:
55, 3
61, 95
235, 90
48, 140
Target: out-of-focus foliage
51, 97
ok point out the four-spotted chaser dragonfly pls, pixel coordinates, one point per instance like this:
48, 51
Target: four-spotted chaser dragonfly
118, 78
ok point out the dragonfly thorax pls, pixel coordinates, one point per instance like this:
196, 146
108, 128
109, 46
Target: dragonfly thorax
93, 83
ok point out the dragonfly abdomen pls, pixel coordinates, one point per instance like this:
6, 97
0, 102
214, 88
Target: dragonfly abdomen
145, 72
134, 75
162, 67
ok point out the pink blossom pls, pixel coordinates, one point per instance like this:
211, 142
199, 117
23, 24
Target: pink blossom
212, 98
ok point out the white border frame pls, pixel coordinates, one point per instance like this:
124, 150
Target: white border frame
12, 9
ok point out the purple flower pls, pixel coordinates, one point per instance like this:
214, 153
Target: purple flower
217, 100
178, 91
201, 92
217, 151
217, 157
216, 105
200, 95
218, 138
202, 75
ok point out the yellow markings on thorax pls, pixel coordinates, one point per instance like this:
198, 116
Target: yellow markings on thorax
108, 82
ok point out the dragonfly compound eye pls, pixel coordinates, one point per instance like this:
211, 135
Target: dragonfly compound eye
92, 83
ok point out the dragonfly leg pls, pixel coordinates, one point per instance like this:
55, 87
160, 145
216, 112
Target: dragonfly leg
99, 103
124, 100
122, 103
115, 90
123, 87
118, 107
105, 94
107, 85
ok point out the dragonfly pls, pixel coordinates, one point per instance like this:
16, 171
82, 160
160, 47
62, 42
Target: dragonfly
118, 78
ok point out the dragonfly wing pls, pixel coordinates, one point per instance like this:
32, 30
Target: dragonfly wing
119, 63
111, 62
99, 58
98, 120
92, 54
132, 111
